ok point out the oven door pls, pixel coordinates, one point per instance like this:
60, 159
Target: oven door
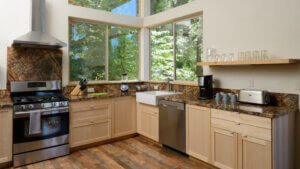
54, 130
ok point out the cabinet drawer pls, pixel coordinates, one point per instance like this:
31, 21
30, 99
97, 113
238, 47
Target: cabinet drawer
87, 133
148, 108
101, 113
243, 129
89, 105
242, 118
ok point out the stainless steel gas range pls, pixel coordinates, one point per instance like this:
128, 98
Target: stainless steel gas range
40, 121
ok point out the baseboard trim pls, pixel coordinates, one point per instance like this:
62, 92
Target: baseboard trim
151, 140
73, 149
202, 162
6, 164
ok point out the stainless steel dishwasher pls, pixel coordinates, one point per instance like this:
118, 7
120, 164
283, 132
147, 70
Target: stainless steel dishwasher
172, 125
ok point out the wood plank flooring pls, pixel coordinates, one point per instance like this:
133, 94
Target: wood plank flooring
133, 153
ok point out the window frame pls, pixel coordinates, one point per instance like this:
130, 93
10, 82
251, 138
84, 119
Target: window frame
106, 52
174, 48
138, 10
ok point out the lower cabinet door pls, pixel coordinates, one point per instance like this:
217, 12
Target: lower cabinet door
198, 132
87, 133
224, 149
254, 153
148, 122
5, 135
124, 116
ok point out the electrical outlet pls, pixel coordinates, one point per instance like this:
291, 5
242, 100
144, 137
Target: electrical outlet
251, 83
91, 90
297, 85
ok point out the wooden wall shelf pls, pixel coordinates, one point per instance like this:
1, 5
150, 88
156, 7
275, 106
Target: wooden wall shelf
250, 62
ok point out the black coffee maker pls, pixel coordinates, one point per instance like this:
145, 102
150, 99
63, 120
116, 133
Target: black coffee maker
206, 87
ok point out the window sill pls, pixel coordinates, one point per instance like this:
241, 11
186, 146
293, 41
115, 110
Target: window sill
103, 82
183, 83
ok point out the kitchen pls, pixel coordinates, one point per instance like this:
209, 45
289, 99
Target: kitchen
121, 53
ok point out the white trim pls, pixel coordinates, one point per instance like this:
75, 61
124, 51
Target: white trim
110, 18
178, 13
106, 54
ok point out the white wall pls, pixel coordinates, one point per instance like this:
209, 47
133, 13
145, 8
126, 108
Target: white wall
235, 25
229, 26
15, 21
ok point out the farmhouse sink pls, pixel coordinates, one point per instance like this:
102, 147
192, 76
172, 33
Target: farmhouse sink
150, 97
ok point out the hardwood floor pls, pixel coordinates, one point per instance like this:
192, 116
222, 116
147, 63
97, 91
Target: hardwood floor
133, 153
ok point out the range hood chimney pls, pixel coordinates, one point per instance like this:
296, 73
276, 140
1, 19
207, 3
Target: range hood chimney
37, 37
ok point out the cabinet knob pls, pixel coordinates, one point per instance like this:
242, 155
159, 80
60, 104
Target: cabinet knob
231, 132
92, 106
245, 136
237, 123
92, 121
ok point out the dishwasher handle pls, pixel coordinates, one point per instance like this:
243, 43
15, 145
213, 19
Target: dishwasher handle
171, 104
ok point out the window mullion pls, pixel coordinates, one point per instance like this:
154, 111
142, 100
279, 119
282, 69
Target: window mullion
106, 53
174, 52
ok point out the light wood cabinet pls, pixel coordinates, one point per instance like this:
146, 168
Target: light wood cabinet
254, 153
90, 121
224, 148
124, 116
240, 141
198, 132
148, 121
90, 132
5, 135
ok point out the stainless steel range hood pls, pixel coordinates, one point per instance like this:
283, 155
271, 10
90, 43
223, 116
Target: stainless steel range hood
37, 37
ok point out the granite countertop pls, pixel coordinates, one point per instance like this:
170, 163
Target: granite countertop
6, 103
257, 110
110, 95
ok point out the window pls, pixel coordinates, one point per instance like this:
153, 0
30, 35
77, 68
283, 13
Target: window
175, 50
162, 5
89, 52
162, 52
123, 53
126, 7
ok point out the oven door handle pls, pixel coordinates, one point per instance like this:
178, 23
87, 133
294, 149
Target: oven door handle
54, 111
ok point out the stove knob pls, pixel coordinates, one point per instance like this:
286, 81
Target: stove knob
23, 107
31, 106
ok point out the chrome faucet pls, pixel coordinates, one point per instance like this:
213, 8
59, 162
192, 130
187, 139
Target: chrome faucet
168, 84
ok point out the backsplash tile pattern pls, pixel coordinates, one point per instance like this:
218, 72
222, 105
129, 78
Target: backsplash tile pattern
33, 64
277, 99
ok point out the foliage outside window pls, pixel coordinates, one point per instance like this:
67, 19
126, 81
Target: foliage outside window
123, 53
126, 7
176, 48
88, 52
162, 5
162, 52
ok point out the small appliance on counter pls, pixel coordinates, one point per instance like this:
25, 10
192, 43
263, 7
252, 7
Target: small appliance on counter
124, 86
206, 87
254, 96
